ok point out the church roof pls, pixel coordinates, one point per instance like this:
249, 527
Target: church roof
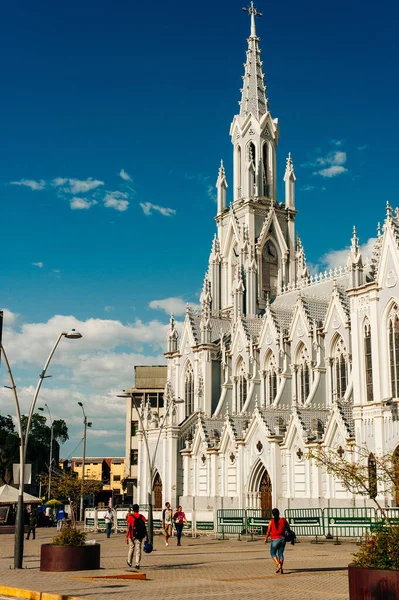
218, 326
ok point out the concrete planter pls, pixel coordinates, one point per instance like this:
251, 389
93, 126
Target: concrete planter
372, 584
69, 558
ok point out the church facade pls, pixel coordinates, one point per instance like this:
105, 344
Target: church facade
276, 361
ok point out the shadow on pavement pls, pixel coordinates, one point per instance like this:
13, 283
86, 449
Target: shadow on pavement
176, 566
315, 570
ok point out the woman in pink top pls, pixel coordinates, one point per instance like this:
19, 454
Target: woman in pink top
276, 530
179, 519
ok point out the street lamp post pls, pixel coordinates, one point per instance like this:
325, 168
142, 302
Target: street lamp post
150, 460
51, 450
23, 443
85, 426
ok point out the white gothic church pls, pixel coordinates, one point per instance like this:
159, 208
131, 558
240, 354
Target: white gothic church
277, 360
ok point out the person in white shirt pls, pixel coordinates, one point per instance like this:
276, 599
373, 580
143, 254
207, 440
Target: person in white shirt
167, 522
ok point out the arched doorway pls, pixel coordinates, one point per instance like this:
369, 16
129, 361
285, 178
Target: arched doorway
259, 494
157, 492
265, 489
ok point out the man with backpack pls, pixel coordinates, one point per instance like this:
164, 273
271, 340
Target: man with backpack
135, 534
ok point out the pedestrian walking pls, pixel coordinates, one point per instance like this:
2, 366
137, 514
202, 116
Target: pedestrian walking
167, 522
59, 517
109, 521
32, 525
179, 518
135, 534
276, 530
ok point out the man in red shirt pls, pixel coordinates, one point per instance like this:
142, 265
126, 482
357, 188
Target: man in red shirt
135, 534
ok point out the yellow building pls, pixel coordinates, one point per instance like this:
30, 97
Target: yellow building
110, 471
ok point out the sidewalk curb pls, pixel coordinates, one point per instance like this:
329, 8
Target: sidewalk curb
14, 592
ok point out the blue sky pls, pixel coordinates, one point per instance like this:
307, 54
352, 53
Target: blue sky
90, 90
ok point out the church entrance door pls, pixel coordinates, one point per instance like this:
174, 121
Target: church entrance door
265, 489
157, 492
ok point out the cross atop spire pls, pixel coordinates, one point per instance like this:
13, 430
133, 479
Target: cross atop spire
254, 13
253, 99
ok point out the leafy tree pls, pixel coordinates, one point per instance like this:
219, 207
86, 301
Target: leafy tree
67, 487
361, 472
38, 450
9, 448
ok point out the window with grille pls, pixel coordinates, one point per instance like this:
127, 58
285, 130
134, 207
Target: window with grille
189, 390
394, 350
270, 269
242, 387
271, 380
340, 375
303, 376
369, 362
134, 457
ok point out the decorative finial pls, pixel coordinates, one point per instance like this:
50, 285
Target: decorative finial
355, 241
389, 210
379, 230
254, 13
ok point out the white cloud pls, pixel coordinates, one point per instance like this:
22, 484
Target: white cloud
125, 176
9, 318
38, 264
361, 148
76, 186
338, 258
91, 370
307, 188
332, 163
148, 208
31, 183
172, 306
332, 171
108, 308
81, 203
116, 200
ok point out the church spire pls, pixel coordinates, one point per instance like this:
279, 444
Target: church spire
289, 179
253, 99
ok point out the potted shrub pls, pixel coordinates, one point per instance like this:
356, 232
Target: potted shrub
69, 550
375, 569
374, 572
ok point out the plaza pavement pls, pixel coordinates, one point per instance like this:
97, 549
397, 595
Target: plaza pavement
203, 568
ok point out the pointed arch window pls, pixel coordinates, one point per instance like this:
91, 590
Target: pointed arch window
265, 169
238, 171
252, 168
340, 369
189, 390
271, 380
304, 375
368, 362
242, 387
393, 329
270, 269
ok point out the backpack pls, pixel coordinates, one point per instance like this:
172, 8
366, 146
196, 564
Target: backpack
139, 528
289, 534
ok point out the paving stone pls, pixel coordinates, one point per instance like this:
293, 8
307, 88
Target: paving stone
201, 568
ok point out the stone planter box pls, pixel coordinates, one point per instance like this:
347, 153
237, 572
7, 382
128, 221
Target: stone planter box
372, 584
69, 558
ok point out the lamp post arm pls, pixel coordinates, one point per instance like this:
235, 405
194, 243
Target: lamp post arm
19, 525
39, 385
14, 389
144, 435
160, 431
